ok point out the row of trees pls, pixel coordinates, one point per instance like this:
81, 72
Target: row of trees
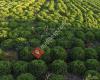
38, 68
25, 25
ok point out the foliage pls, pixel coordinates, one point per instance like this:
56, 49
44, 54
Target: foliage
3, 34
80, 35
77, 53
77, 67
7, 44
58, 53
89, 36
93, 64
58, 67
34, 42
66, 34
97, 34
1, 54
38, 68
98, 51
56, 77
92, 75
64, 43
20, 67
26, 76
5, 67
90, 53
26, 24
78, 42
26, 54
6, 77
46, 57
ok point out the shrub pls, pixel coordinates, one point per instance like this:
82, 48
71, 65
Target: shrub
1, 54
20, 67
98, 52
20, 43
64, 43
5, 67
7, 44
41, 24
20, 40
34, 42
97, 34
65, 34
14, 33
56, 77
59, 67
26, 76
58, 53
26, 54
52, 43
3, 33
89, 36
92, 75
77, 53
90, 53
77, 67
78, 42
38, 68
46, 57
26, 33
68, 35
6, 77
39, 30
80, 35
92, 64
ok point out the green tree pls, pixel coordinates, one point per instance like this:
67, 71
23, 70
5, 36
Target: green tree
92, 75
6, 77
91, 53
38, 68
78, 43
77, 67
56, 77
26, 54
5, 67
77, 53
26, 76
58, 53
89, 36
20, 67
59, 67
92, 64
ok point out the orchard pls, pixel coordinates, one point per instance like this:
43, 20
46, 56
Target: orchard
49, 39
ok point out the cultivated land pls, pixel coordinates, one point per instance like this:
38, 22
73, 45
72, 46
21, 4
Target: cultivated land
73, 54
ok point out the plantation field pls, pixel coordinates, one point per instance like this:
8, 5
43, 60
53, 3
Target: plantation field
95, 2
49, 40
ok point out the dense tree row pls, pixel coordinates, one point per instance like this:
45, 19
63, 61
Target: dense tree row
26, 24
